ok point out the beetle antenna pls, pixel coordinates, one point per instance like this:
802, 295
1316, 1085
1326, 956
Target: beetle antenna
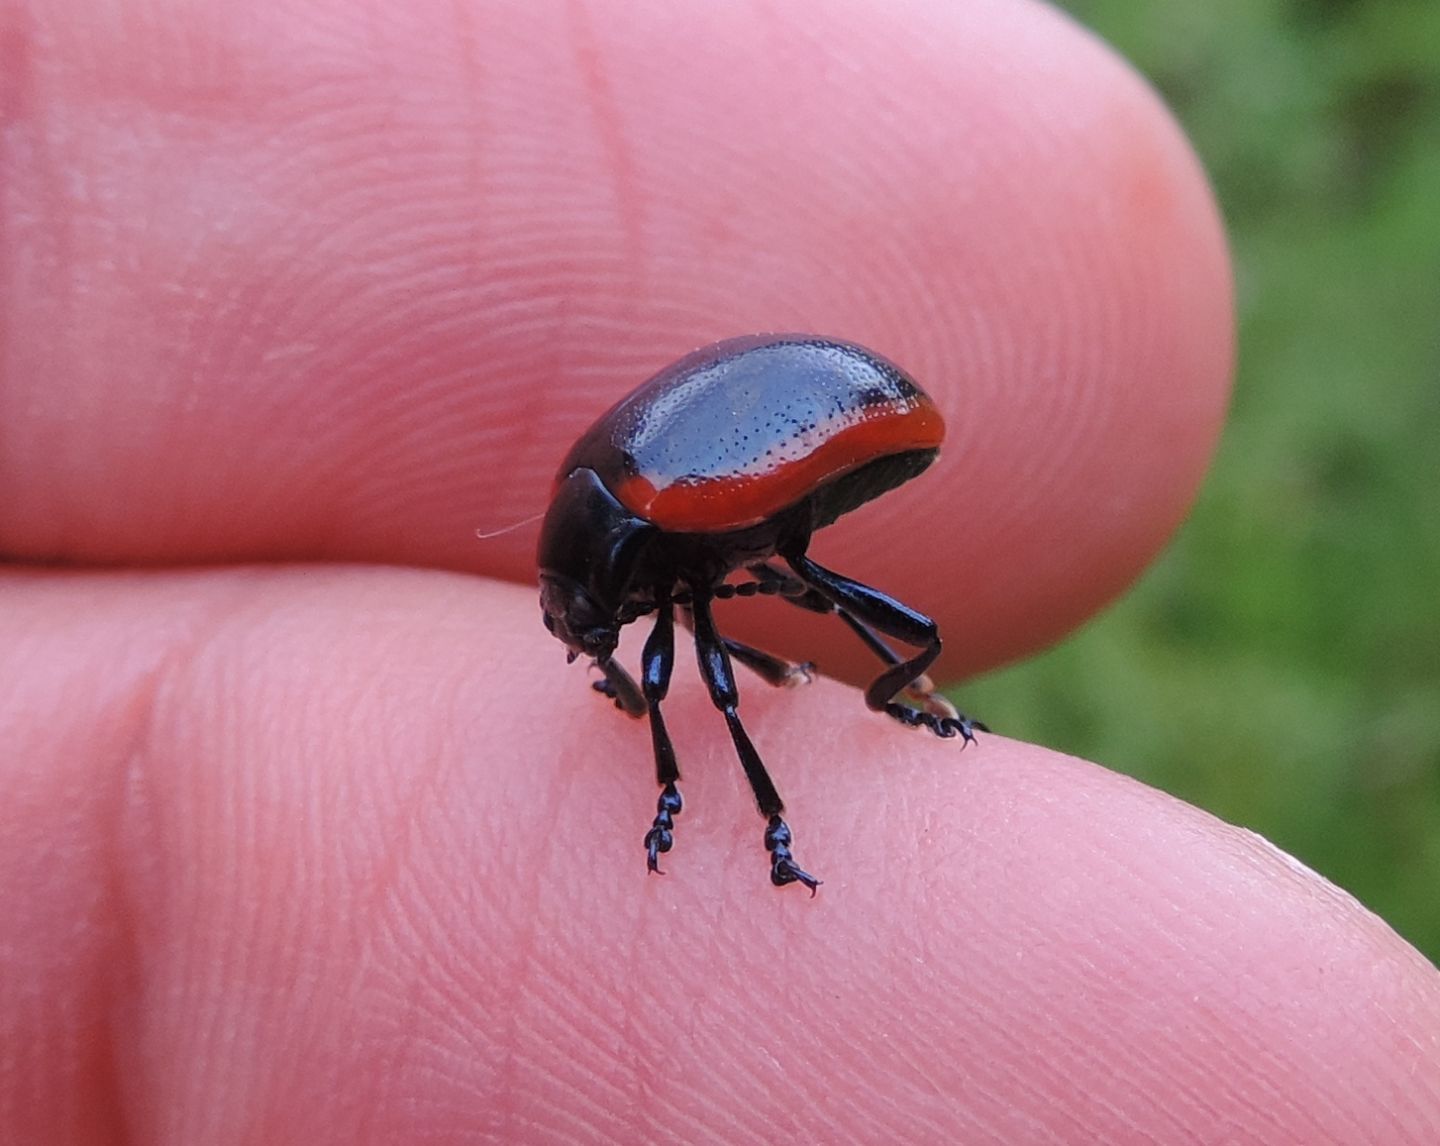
487, 534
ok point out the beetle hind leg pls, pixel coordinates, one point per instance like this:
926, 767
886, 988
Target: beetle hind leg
904, 690
918, 704
771, 669
768, 667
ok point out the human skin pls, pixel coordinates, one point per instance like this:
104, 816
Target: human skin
308, 834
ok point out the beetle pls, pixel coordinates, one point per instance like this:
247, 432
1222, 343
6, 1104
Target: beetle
720, 464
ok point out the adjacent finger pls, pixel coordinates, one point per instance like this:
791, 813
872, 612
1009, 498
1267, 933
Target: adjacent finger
343, 282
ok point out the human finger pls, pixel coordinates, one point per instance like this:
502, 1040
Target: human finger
350, 855
292, 288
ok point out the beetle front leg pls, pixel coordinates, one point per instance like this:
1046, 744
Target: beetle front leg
620, 687
720, 680
656, 664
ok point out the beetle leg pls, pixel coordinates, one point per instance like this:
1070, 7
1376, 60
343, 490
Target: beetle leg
620, 687
920, 694
865, 610
720, 680
656, 663
770, 668
767, 666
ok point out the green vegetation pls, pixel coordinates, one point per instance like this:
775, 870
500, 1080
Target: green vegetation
1280, 665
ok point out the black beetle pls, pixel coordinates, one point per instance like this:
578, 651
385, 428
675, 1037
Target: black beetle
726, 459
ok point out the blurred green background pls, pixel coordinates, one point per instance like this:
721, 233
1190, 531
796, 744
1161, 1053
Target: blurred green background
1280, 665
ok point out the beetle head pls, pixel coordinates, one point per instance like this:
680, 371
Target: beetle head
590, 549
569, 612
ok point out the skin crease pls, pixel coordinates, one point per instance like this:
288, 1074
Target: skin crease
300, 852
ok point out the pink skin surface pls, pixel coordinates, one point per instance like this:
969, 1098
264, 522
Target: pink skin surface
298, 844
